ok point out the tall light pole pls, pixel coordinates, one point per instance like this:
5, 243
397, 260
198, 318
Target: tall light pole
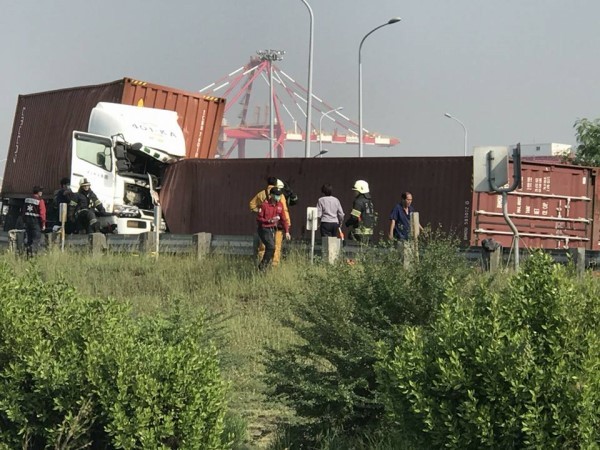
325, 114
464, 128
309, 95
360, 127
270, 56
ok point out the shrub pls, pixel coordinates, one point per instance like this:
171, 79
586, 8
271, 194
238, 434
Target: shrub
328, 376
75, 371
515, 368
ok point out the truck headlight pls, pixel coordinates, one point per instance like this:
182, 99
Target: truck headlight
128, 211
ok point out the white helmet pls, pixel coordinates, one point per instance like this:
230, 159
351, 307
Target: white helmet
361, 186
280, 184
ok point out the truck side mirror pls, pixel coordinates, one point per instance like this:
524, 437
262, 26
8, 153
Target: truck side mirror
120, 152
100, 159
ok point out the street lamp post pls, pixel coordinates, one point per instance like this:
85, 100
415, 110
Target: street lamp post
360, 127
464, 128
325, 114
310, 76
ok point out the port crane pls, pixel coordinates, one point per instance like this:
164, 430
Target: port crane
289, 102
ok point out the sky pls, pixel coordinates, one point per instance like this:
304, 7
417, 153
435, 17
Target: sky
511, 71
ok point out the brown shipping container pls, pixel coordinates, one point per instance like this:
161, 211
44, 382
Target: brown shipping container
557, 206
213, 195
40, 146
555, 200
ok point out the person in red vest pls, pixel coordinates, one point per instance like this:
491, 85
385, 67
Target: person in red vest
271, 215
34, 218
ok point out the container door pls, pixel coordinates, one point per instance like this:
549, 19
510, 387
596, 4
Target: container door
92, 158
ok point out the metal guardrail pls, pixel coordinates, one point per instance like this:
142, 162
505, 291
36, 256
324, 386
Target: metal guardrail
178, 244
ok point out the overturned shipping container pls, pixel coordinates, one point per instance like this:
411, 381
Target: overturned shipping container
40, 146
213, 195
556, 207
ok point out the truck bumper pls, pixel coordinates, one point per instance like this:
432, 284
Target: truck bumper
129, 225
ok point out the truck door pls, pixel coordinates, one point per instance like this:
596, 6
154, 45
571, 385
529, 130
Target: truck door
92, 158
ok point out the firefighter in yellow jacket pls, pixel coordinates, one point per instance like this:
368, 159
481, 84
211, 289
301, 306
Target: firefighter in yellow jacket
255, 204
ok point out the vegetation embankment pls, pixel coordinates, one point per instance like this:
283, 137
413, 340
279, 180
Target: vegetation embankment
368, 355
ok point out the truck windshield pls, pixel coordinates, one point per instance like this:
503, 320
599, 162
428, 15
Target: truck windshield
96, 152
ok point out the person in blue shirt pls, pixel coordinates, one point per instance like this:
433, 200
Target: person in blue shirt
400, 218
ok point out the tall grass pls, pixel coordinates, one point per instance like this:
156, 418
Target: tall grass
246, 310
243, 305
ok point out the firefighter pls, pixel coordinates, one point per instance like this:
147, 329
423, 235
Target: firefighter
84, 206
255, 205
362, 217
34, 218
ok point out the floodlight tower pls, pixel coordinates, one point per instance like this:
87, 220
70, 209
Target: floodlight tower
270, 56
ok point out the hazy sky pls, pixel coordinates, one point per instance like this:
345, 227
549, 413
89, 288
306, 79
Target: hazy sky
511, 70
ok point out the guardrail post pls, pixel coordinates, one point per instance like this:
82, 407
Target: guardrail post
408, 251
97, 243
578, 257
147, 243
16, 241
492, 259
415, 226
491, 255
331, 249
495, 259
201, 242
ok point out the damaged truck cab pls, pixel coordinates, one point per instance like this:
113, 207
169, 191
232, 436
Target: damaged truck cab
123, 155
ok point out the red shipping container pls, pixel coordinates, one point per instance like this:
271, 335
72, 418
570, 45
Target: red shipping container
555, 207
40, 146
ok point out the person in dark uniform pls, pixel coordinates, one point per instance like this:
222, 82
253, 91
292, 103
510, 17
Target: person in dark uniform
64, 195
85, 205
34, 218
400, 218
362, 217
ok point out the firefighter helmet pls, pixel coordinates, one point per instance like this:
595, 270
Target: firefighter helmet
361, 186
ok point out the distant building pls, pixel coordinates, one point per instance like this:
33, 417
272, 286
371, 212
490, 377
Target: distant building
546, 150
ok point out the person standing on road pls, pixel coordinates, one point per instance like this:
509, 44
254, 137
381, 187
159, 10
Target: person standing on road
255, 205
400, 218
34, 218
362, 217
329, 212
270, 217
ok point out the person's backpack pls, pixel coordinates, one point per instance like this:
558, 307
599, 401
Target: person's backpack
290, 196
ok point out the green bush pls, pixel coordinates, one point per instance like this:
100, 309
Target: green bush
513, 368
77, 371
328, 376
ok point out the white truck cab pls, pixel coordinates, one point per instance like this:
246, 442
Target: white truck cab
123, 155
